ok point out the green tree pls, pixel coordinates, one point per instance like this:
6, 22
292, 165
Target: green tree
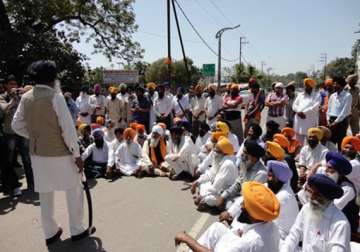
341, 67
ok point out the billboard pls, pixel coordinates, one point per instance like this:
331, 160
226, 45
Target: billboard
119, 76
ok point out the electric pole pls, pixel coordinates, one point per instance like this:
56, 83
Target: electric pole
169, 41
242, 42
262, 66
323, 59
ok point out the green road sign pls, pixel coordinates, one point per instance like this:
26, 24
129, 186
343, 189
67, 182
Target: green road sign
208, 70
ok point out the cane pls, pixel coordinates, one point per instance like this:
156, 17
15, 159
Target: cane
88, 198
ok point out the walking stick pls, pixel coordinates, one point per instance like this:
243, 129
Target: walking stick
88, 199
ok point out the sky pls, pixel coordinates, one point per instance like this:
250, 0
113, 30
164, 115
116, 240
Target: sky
288, 35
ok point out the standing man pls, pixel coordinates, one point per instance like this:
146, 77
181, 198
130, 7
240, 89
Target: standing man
277, 101
151, 94
82, 102
97, 102
162, 107
198, 110
180, 105
213, 105
254, 106
338, 111
306, 108
43, 118
355, 105
123, 96
141, 108
114, 107
290, 114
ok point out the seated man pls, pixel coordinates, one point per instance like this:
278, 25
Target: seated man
154, 151
218, 178
294, 144
320, 225
141, 135
259, 233
350, 146
326, 139
109, 134
203, 137
253, 170
224, 126
128, 155
113, 146
311, 154
96, 156
85, 138
279, 175
182, 156
272, 128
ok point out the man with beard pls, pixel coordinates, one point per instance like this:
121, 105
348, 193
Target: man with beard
272, 128
123, 97
113, 146
141, 108
350, 146
96, 156
114, 107
203, 137
338, 111
141, 135
225, 127
355, 104
180, 105
218, 178
43, 118
278, 178
182, 156
276, 101
213, 105
154, 151
151, 94
251, 169
311, 154
82, 102
259, 233
294, 144
198, 110
85, 138
320, 225
162, 107
306, 107
128, 155
97, 102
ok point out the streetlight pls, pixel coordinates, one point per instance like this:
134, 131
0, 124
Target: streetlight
218, 36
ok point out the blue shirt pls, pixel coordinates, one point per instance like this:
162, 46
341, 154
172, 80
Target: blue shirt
339, 106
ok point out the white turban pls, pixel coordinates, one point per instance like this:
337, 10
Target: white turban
279, 85
157, 129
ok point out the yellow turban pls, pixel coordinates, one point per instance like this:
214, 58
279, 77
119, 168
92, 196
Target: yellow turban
100, 120
326, 132
354, 141
234, 86
288, 132
275, 150
315, 132
215, 136
309, 82
151, 85
223, 127
225, 146
129, 132
82, 126
113, 90
259, 201
77, 123
281, 140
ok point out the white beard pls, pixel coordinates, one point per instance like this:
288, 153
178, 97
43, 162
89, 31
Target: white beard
154, 142
317, 210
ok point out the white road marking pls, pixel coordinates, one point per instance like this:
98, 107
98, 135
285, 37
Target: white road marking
194, 231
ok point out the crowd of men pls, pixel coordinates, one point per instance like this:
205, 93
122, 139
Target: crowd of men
292, 186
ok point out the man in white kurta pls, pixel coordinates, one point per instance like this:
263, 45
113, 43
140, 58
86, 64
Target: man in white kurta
113, 146
85, 110
213, 105
128, 155
43, 118
306, 108
97, 101
114, 107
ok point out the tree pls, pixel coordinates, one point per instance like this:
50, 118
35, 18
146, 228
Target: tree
27, 26
341, 67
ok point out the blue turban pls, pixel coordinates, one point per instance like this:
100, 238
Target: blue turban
326, 186
280, 169
98, 133
338, 162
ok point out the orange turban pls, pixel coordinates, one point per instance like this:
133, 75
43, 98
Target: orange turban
113, 90
259, 201
326, 131
234, 86
100, 120
82, 126
223, 127
133, 126
225, 146
78, 123
309, 82
198, 88
129, 132
140, 127
281, 140
216, 135
315, 132
329, 82
354, 141
288, 132
162, 125
151, 85
275, 150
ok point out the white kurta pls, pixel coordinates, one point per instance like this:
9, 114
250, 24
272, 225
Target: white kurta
354, 176
98, 155
146, 159
200, 141
309, 105
97, 101
259, 237
212, 106
308, 156
162, 106
82, 102
113, 146
128, 158
53, 173
331, 234
114, 110
217, 179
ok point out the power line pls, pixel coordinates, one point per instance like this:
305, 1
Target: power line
220, 11
199, 35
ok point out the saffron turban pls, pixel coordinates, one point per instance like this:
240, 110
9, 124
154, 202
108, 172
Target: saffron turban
259, 201
288, 132
133, 126
78, 123
129, 133
329, 82
326, 132
113, 90
234, 86
225, 146
309, 82
326, 186
315, 132
82, 126
151, 85
354, 141
100, 120
98, 133
223, 127
275, 150
280, 169
338, 162
281, 140
216, 135
140, 127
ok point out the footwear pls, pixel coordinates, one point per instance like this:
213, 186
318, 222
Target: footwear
17, 192
55, 238
84, 234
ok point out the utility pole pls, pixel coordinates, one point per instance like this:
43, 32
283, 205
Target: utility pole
218, 37
323, 59
169, 41
242, 42
262, 66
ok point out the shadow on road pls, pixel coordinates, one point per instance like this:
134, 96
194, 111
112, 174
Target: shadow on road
92, 244
9, 204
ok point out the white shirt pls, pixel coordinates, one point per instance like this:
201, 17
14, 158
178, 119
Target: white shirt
259, 141
82, 102
113, 146
212, 106
308, 156
198, 105
162, 106
99, 155
332, 234
339, 105
309, 105
114, 109
128, 155
97, 101
200, 141
184, 101
354, 176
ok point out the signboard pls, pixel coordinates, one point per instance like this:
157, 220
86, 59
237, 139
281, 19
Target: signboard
119, 76
208, 70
